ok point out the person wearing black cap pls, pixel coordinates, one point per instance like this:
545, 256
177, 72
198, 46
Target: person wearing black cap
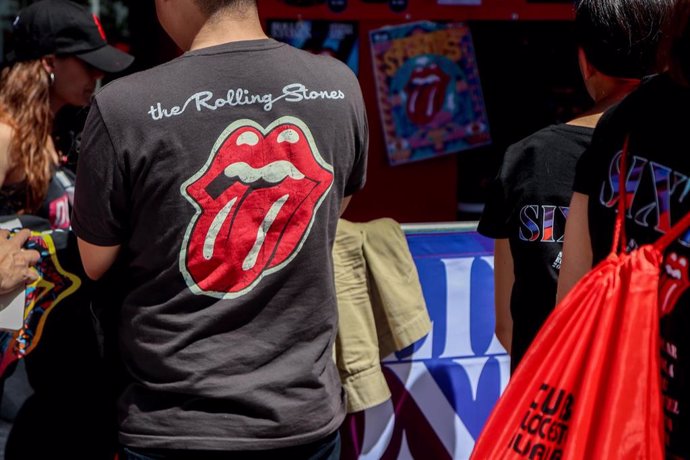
59, 52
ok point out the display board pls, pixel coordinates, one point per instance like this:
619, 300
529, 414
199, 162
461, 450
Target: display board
445, 386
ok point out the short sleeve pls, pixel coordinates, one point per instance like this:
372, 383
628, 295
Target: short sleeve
358, 174
495, 218
585, 181
100, 200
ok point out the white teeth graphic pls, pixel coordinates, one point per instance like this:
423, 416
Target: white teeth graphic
250, 260
272, 173
289, 135
426, 80
210, 241
673, 273
248, 138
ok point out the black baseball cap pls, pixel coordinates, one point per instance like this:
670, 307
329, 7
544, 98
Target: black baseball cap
62, 27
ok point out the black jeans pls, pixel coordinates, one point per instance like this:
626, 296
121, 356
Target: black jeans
327, 448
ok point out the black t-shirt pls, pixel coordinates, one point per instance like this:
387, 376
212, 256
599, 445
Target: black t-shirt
55, 206
59, 346
656, 117
221, 174
528, 204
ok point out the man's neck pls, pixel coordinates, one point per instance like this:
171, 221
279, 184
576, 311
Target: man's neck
226, 27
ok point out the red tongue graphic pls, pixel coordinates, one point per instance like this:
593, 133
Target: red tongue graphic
673, 285
252, 222
426, 93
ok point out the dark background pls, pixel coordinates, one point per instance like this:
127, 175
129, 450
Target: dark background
527, 65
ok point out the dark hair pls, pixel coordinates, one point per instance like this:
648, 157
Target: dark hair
210, 7
621, 37
676, 50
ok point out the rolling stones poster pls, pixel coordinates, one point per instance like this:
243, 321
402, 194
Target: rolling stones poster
336, 39
428, 89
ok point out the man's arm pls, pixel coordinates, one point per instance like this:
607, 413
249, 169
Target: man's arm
97, 259
344, 203
577, 246
16, 263
504, 278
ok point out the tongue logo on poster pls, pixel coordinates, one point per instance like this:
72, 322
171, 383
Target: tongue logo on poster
256, 199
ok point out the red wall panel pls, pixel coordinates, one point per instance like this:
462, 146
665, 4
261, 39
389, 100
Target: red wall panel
424, 191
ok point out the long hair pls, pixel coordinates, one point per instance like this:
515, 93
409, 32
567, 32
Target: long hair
25, 106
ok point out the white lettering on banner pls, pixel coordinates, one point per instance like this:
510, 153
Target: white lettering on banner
422, 387
458, 315
473, 367
456, 347
495, 348
379, 423
504, 367
405, 449
459, 334
436, 409
206, 100
432, 402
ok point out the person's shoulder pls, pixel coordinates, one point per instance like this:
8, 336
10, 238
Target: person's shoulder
648, 93
6, 130
321, 60
548, 138
130, 86
638, 104
323, 64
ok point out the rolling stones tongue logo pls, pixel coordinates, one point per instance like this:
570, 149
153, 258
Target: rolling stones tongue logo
674, 282
426, 92
256, 198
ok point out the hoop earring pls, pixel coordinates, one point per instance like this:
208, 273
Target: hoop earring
51, 78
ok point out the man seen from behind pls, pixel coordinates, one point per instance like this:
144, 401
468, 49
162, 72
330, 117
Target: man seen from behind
217, 179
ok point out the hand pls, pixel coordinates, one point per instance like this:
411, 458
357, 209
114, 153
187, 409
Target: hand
16, 263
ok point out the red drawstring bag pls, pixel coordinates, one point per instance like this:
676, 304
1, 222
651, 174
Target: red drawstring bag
589, 387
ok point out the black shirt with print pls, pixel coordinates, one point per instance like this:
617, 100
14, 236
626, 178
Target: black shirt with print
656, 118
528, 204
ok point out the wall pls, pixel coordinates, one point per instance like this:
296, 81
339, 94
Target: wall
426, 191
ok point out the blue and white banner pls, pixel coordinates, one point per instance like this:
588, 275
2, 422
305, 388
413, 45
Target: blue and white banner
445, 386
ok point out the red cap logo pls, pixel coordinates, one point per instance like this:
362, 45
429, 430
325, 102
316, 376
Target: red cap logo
100, 27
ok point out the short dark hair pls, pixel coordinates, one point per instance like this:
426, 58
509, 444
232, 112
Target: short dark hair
676, 50
210, 7
621, 37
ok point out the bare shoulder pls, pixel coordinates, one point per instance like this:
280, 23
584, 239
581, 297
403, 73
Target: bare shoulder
6, 132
